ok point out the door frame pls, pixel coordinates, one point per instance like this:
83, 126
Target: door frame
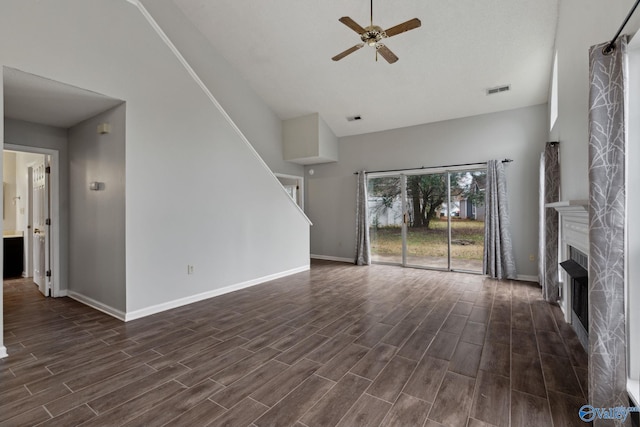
54, 209
300, 180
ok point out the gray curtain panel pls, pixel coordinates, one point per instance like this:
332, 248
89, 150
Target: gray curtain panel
607, 147
499, 261
363, 248
551, 222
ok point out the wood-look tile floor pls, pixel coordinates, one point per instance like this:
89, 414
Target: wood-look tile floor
337, 346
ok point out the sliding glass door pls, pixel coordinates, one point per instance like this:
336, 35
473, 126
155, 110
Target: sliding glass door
467, 219
386, 213
427, 229
428, 220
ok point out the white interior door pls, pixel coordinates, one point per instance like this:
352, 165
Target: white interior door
41, 228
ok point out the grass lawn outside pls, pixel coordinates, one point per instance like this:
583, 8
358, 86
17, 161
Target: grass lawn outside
467, 240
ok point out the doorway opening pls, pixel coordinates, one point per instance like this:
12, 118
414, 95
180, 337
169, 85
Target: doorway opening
429, 220
31, 221
294, 186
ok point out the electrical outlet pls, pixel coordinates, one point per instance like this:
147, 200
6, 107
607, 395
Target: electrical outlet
189, 269
532, 257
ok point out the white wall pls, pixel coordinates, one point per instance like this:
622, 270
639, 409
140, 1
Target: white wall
633, 227
261, 126
183, 158
17, 132
10, 190
517, 134
582, 23
97, 235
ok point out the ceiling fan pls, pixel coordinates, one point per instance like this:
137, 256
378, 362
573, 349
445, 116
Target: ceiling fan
372, 35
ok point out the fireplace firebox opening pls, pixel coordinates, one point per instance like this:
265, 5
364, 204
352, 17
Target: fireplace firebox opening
576, 267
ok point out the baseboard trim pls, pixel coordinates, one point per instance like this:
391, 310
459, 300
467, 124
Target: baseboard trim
154, 309
61, 293
118, 314
332, 258
527, 278
632, 388
3, 352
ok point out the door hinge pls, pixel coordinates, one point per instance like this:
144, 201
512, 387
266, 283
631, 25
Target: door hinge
47, 169
48, 273
47, 221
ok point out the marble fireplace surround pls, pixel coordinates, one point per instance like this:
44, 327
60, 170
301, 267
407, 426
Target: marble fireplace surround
574, 231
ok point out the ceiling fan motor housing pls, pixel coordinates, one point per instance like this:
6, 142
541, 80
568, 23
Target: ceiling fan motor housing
372, 35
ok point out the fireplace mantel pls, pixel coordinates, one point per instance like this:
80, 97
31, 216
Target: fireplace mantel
570, 206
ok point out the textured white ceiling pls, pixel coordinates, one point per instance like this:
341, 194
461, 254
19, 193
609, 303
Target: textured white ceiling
284, 49
39, 100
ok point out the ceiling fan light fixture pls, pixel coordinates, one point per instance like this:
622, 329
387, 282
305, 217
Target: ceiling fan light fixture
373, 34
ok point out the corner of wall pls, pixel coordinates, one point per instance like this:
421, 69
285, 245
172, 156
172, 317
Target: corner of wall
113, 312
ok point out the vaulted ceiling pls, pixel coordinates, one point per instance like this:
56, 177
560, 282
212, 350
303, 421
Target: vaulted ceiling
283, 49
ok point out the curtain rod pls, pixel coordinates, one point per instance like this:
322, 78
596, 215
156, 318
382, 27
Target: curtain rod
608, 49
435, 167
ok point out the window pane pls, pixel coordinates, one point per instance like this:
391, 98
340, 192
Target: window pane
467, 220
385, 219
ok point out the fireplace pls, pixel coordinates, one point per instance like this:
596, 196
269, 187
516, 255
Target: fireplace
576, 268
574, 248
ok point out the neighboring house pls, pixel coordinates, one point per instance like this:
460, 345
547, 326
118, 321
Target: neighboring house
473, 208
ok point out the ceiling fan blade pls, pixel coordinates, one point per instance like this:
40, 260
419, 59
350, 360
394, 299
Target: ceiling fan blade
349, 51
405, 26
352, 24
386, 53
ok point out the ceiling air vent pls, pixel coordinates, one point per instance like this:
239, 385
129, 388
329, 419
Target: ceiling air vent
354, 118
498, 89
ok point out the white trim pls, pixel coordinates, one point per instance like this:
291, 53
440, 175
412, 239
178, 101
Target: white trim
300, 180
62, 293
574, 231
285, 175
205, 89
3, 351
332, 258
147, 311
527, 278
118, 314
633, 388
570, 206
632, 242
